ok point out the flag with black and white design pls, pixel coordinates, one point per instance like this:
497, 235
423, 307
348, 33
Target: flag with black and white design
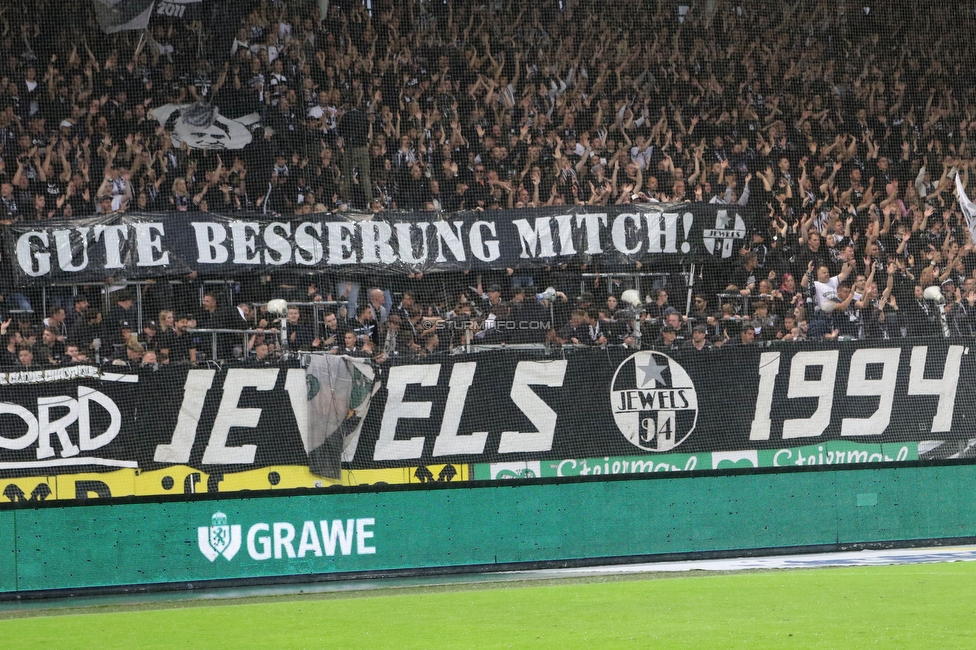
123, 15
339, 393
968, 207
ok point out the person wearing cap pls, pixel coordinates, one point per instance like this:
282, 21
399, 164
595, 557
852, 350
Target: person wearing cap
491, 298
82, 322
699, 340
78, 311
150, 336
123, 310
668, 339
614, 330
759, 246
585, 300
125, 334
104, 204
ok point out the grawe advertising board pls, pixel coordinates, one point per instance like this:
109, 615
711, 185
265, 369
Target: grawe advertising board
500, 525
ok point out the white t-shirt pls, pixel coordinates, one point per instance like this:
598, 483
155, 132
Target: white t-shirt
641, 157
117, 202
827, 291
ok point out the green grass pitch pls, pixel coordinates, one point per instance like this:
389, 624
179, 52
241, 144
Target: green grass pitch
917, 606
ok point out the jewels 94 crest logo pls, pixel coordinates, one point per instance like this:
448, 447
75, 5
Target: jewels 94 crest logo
654, 402
219, 538
721, 241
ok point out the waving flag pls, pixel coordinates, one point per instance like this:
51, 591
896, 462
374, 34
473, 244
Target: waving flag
122, 15
968, 207
339, 393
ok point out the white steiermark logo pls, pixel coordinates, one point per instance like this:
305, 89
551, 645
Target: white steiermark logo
219, 538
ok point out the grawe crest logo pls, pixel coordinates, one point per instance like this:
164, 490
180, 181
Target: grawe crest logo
219, 538
654, 402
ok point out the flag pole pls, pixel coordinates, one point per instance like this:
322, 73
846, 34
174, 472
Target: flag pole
140, 44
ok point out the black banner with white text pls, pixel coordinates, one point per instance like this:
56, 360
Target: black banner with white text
135, 246
491, 407
502, 406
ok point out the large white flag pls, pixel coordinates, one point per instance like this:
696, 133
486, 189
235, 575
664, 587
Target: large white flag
122, 15
340, 390
968, 207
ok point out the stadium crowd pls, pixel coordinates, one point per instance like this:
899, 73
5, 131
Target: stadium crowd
840, 127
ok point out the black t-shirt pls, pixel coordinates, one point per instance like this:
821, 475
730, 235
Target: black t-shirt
354, 129
178, 345
7, 358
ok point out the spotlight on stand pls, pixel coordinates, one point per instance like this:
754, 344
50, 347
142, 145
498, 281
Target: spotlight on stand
934, 293
634, 307
631, 297
279, 307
